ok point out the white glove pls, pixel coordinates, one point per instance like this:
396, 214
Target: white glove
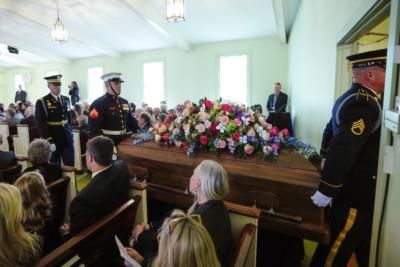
320, 199
53, 147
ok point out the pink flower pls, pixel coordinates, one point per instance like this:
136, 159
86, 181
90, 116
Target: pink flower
221, 144
276, 147
203, 116
189, 105
237, 121
252, 118
203, 139
274, 130
251, 132
226, 108
248, 149
207, 124
200, 128
186, 112
285, 132
224, 120
165, 137
178, 143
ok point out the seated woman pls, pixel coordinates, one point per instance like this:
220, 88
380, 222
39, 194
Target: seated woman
183, 242
209, 185
39, 153
37, 210
18, 247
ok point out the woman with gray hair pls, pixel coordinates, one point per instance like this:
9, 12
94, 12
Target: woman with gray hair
209, 185
39, 154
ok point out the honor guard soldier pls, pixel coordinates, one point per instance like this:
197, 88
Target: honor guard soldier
110, 114
351, 147
54, 121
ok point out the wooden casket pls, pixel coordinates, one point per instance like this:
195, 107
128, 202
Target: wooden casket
281, 188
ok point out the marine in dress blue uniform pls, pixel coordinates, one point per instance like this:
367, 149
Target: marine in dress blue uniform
110, 114
351, 146
54, 121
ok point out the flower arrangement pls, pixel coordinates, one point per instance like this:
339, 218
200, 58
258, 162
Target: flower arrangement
217, 126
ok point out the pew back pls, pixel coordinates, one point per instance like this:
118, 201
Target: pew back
58, 191
119, 223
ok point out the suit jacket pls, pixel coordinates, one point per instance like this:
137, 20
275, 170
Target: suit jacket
105, 192
20, 96
7, 160
280, 104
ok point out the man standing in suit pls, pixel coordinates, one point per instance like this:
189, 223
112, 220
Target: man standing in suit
278, 100
107, 190
20, 95
53, 118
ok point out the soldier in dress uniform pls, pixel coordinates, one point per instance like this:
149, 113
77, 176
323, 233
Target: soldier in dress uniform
351, 147
110, 114
54, 121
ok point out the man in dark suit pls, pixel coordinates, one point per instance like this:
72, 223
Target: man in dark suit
278, 100
107, 190
53, 118
20, 95
7, 159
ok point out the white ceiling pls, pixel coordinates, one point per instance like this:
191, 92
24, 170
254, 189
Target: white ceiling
113, 27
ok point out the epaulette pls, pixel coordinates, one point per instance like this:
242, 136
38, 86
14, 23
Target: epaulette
362, 95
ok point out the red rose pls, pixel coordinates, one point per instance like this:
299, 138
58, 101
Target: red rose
203, 139
226, 108
236, 136
165, 137
208, 104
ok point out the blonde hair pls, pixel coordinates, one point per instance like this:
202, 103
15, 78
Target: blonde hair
39, 151
185, 242
213, 181
37, 206
19, 248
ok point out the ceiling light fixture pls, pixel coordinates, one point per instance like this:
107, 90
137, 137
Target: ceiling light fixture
175, 10
59, 34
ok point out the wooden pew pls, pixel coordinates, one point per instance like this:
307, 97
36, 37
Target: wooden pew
11, 174
77, 150
21, 140
118, 222
58, 191
244, 222
5, 132
138, 186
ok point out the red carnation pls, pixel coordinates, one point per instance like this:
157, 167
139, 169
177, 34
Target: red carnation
203, 139
213, 129
165, 137
208, 104
226, 108
236, 136
274, 130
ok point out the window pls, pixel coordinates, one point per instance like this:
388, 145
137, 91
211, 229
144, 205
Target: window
233, 78
19, 80
153, 83
95, 83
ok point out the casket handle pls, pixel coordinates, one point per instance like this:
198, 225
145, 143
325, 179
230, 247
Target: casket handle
282, 216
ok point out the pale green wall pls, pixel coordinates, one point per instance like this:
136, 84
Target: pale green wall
188, 75
312, 61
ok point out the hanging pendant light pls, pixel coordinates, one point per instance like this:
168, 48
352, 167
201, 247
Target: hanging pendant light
175, 10
59, 34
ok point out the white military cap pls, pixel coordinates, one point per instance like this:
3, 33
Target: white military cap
112, 76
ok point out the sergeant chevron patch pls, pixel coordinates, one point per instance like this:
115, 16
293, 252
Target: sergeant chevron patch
358, 127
